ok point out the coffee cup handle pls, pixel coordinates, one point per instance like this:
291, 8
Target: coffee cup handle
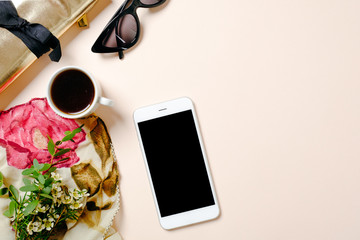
106, 101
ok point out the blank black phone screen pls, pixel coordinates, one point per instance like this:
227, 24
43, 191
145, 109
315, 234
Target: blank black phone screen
176, 163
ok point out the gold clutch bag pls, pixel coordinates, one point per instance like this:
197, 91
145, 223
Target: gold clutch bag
56, 15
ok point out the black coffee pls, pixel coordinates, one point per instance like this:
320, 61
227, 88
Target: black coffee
72, 91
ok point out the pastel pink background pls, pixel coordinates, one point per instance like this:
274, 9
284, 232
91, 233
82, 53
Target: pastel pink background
276, 85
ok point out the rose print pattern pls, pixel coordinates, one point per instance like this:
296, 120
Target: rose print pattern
24, 130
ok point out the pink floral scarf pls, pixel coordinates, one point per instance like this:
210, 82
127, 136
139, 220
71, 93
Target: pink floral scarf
91, 165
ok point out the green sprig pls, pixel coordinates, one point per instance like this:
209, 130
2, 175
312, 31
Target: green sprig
39, 199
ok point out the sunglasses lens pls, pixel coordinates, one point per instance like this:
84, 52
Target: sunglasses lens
110, 41
127, 30
149, 2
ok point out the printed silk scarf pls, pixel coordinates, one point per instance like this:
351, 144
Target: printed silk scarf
92, 164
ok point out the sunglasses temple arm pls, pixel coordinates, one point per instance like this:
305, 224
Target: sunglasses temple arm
121, 54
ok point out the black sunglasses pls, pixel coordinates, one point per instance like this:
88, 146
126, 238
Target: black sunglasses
123, 30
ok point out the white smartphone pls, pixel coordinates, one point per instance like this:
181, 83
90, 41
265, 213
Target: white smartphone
176, 163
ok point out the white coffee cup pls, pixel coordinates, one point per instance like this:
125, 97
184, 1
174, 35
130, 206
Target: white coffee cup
73, 92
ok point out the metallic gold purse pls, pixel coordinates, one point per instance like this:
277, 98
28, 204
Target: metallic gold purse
56, 15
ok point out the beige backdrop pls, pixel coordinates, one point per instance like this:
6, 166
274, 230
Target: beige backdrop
276, 86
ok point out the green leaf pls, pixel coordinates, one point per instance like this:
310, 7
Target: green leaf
29, 188
62, 151
47, 190
30, 207
68, 137
46, 195
27, 181
7, 213
28, 171
12, 207
14, 192
1, 179
71, 134
45, 167
48, 180
4, 191
41, 166
63, 159
36, 164
41, 179
51, 146
35, 174
77, 130
58, 143
52, 169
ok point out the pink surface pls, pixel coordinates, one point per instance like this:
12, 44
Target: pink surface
276, 88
